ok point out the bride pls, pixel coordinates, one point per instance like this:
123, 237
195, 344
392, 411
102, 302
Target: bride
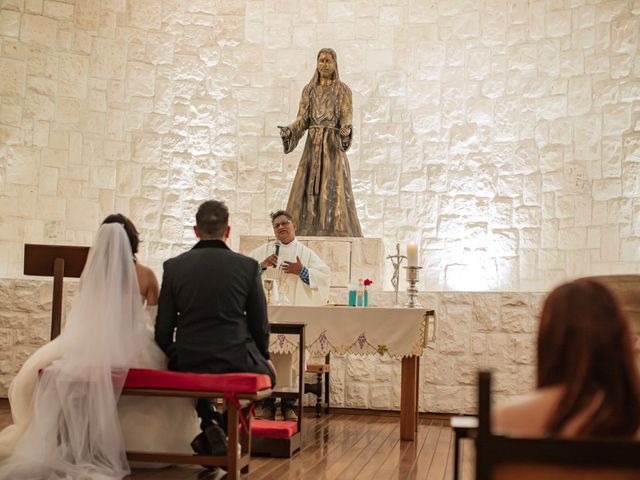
66, 421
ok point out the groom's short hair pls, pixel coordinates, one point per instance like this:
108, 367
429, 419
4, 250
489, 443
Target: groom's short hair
212, 218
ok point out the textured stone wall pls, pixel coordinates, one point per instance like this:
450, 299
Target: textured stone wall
473, 330
25, 322
502, 135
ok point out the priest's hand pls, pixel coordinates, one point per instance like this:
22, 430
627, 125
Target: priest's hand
345, 130
292, 267
270, 261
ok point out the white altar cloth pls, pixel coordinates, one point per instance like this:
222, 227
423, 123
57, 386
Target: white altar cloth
397, 332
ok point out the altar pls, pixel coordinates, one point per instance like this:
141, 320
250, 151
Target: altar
398, 332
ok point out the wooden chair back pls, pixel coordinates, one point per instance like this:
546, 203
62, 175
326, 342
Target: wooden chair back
500, 457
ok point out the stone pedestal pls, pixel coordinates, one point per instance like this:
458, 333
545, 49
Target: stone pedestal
348, 258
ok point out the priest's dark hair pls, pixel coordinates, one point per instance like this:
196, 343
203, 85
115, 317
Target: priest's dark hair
277, 213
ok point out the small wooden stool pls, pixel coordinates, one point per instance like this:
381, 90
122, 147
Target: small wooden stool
274, 438
317, 388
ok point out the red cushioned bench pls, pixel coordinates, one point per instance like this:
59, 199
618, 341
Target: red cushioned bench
239, 390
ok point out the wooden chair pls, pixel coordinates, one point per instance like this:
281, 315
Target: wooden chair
499, 457
319, 388
282, 438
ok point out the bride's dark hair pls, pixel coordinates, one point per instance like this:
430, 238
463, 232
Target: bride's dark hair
129, 227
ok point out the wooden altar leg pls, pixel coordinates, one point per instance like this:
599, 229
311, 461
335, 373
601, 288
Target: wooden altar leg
409, 398
417, 393
56, 307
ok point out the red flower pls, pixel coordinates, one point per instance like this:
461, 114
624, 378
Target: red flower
367, 282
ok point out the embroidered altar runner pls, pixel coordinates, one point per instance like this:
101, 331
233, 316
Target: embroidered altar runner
397, 332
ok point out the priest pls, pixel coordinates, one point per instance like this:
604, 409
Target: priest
302, 279
301, 275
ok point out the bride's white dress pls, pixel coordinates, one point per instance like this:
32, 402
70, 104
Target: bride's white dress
65, 422
155, 424
148, 424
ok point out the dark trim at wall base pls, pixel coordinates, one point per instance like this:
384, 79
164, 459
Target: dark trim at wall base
383, 413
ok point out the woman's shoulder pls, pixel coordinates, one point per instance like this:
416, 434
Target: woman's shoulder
528, 415
144, 271
148, 283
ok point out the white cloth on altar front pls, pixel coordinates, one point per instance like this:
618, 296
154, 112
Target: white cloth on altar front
297, 292
398, 332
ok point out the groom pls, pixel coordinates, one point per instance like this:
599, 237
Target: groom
212, 298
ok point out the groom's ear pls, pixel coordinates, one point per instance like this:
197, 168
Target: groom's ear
195, 230
227, 232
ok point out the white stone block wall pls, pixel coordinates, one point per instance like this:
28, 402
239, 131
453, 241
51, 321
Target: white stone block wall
473, 330
25, 321
503, 136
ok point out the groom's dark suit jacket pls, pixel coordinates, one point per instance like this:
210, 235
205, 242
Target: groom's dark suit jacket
213, 299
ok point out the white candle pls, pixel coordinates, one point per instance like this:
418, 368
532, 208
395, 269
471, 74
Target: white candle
412, 255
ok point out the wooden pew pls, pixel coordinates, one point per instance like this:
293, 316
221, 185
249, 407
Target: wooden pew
239, 391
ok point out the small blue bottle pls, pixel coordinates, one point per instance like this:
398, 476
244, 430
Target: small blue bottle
352, 296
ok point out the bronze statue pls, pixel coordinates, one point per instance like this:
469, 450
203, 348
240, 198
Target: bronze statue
321, 198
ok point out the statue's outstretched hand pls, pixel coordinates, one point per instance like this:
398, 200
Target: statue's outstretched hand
285, 132
345, 130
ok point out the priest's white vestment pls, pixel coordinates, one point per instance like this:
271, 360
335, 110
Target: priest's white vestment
293, 289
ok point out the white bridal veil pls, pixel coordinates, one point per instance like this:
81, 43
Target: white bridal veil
75, 432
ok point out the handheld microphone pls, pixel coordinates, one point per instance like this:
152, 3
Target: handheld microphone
277, 244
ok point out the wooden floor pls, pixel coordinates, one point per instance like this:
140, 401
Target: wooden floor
353, 447
346, 447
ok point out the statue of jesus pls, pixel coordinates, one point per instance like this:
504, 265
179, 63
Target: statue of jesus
321, 198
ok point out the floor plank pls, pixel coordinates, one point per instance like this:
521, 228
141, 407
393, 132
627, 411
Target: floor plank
357, 448
425, 456
438, 466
